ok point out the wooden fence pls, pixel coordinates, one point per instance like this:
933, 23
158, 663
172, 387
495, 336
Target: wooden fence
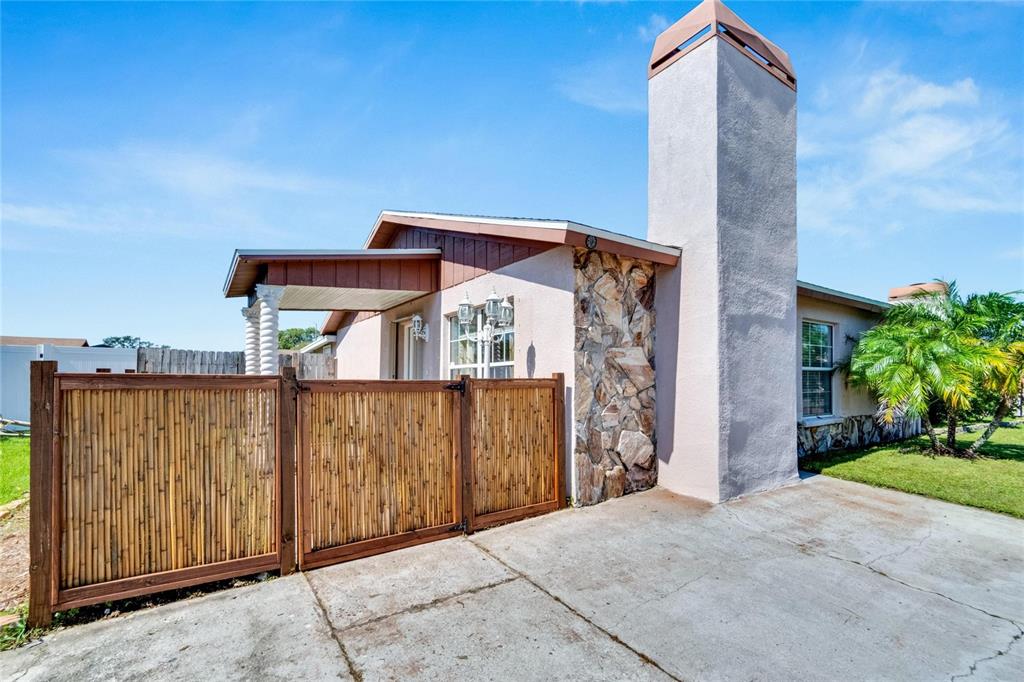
175, 361
142, 483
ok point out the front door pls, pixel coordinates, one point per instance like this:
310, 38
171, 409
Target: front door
407, 359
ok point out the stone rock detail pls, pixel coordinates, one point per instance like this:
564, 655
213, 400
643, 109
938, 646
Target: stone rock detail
852, 432
614, 452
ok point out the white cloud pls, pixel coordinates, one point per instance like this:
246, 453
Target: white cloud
607, 84
886, 152
655, 25
141, 189
197, 172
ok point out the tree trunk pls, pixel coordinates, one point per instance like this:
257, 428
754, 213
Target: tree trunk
951, 429
1001, 411
930, 430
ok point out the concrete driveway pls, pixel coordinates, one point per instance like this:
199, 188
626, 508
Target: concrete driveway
822, 580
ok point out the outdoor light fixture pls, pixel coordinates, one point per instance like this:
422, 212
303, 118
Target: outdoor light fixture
498, 314
505, 316
419, 329
466, 310
492, 306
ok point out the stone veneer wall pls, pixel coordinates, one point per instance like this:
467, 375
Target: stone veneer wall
852, 432
614, 383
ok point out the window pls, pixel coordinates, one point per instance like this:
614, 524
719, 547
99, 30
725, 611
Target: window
466, 355
816, 359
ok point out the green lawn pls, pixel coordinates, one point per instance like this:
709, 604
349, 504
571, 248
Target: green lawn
995, 482
13, 468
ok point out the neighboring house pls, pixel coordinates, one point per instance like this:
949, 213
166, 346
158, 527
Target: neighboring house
72, 355
323, 344
686, 356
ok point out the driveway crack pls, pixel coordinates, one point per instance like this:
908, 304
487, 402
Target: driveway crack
415, 608
353, 671
639, 654
1002, 652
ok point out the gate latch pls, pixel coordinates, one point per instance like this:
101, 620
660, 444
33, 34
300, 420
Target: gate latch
459, 386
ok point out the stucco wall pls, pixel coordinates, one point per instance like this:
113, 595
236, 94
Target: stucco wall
722, 146
541, 288
359, 350
615, 391
848, 324
851, 423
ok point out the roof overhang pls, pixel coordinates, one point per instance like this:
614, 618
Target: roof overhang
364, 279
554, 232
840, 297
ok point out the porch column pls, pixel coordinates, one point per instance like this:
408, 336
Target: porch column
268, 298
252, 338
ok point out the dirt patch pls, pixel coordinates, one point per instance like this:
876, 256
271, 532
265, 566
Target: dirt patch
14, 559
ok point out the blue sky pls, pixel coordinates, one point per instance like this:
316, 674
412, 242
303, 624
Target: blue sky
142, 143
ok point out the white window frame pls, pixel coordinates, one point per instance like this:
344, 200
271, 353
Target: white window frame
455, 370
830, 370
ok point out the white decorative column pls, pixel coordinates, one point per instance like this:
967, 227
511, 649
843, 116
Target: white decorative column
252, 338
722, 186
268, 297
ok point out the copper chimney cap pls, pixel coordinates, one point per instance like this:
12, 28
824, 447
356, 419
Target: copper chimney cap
711, 19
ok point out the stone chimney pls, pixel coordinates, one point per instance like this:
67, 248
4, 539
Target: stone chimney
916, 291
722, 186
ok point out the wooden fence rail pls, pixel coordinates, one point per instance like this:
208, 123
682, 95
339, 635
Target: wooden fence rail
147, 482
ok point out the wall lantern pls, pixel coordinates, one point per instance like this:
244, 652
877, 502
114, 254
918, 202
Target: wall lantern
505, 316
419, 328
466, 310
492, 306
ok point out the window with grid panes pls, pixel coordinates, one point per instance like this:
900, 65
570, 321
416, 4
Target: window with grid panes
816, 361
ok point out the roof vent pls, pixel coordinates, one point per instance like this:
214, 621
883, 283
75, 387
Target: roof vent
709, 19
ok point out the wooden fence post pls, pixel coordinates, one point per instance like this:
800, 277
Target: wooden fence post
41, 494
466, 452
559, 423
289, 396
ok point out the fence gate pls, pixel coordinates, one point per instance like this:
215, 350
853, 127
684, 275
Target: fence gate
388, 464
378, 467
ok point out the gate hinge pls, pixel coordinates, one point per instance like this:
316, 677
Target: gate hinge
459, 526
459, 386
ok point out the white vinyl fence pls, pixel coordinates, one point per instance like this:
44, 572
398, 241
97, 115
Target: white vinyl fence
14, 369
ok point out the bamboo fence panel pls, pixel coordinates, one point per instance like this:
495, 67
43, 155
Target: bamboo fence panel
380, 463
161, 479
513, 453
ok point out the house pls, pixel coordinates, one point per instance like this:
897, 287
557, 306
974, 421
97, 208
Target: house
689, 357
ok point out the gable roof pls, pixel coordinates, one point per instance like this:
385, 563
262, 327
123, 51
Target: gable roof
554, 232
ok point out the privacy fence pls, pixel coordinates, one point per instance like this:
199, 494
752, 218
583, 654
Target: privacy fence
142, 483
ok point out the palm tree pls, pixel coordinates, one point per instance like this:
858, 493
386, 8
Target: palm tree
1004, 334
923, 351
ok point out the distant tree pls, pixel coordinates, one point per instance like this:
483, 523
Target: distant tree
129, 342
296, 337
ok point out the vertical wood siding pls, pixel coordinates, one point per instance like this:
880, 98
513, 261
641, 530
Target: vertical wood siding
160, 479
464, 257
